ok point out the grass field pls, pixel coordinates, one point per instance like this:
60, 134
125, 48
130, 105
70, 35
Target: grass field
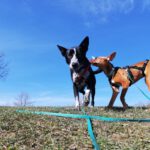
25, 132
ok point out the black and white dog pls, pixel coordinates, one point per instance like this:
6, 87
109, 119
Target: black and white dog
81, 72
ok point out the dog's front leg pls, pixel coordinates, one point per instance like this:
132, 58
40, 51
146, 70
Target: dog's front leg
87, 97
114, 96
76, 95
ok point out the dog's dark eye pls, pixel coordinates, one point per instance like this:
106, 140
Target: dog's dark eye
71, 53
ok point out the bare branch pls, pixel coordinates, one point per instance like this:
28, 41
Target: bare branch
23, 100
3, 66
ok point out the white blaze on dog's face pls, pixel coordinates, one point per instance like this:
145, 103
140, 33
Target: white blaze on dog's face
74, 62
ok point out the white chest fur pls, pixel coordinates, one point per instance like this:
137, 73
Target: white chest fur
75, 77
80, 79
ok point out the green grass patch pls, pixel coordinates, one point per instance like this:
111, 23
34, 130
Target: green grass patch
29, 131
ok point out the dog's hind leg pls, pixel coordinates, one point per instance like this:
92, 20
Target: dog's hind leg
122, 98
147, 75
93, 96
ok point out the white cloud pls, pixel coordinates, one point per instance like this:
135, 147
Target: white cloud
96, 7
100, 10
103, 11
146, 4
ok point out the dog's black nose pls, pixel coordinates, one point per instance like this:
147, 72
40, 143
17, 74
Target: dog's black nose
74, 65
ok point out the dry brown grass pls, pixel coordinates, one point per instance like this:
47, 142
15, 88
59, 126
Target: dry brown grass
24, 131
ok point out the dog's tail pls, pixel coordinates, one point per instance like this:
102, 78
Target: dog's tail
147, 74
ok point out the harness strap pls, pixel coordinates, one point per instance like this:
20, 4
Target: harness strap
112, 74
130, 75
141, 68
144, 66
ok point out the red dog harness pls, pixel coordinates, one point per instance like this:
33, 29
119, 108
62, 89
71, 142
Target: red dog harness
81, 76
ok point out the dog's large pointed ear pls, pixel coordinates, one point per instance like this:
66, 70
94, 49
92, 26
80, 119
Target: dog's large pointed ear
62, 50
112, 56
84, 44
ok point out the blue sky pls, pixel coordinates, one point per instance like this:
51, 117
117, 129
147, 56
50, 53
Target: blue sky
31, 29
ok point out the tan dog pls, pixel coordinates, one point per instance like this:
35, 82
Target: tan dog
124, 77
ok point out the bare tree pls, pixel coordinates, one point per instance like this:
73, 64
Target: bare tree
3, 66
23, 99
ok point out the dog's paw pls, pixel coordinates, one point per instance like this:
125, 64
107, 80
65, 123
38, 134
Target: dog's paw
125, 107
108, 108
77, 104
86, 103
92, 103
79, 108
91, 106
